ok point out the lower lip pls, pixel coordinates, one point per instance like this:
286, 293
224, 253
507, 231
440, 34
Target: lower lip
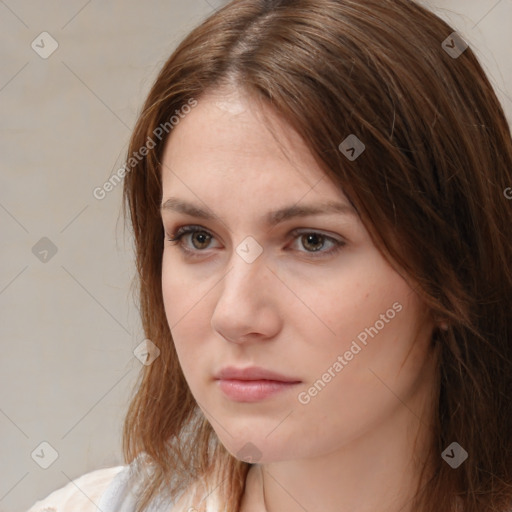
253, 390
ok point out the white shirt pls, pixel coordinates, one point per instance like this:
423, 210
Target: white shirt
80, 495
115, 490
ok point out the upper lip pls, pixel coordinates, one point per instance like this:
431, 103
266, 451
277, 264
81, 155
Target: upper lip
252, 373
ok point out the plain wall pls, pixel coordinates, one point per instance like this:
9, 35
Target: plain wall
68, 322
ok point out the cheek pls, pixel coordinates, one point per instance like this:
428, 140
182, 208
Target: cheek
188, 309
375, 324
172, 295
179, 300
353, 301
183, 294
342, 399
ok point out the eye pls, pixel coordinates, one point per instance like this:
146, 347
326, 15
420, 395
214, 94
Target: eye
199, 236
314, 242
200, 239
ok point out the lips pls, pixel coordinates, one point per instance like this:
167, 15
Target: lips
253, 384
253, 373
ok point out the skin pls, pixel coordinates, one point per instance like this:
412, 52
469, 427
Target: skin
293, 311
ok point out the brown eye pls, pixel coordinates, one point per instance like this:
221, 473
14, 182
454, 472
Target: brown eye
202, 238
313, 241
316, 244
191, 238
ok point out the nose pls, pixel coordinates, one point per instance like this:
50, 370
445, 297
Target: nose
248, 303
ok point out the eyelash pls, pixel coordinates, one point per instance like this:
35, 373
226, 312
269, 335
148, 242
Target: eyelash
176, 237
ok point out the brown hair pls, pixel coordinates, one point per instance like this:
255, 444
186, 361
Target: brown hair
429, 188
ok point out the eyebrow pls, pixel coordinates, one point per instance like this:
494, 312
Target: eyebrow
272, 218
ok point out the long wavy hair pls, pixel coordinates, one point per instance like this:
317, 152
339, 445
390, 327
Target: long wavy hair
429, 187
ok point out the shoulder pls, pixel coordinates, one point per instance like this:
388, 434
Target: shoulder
118, 488
82, 494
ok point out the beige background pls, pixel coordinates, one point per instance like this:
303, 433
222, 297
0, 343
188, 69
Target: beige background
68, 325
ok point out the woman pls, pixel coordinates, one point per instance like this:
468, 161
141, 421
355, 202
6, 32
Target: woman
323, 240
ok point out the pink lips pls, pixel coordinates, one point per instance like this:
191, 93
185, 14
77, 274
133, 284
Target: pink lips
252, 384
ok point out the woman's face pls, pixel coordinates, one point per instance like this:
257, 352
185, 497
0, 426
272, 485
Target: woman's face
263, 283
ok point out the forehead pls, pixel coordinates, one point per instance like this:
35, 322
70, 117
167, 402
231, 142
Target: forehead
230, 136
